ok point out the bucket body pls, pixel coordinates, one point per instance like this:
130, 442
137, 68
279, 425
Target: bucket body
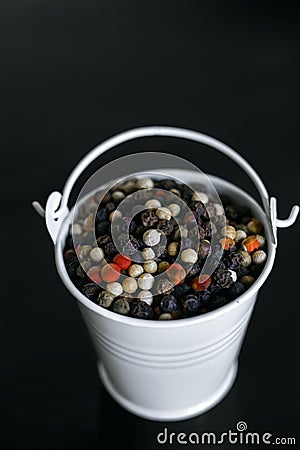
171, 370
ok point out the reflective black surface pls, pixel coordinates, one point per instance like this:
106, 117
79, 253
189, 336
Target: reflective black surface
76, 72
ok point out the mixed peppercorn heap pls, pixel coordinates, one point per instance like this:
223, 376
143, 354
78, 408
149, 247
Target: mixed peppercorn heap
152, 271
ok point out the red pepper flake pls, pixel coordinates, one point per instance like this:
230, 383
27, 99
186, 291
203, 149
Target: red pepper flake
110, 272
122, 261
201, 282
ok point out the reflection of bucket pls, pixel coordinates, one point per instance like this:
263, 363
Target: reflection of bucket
168, 370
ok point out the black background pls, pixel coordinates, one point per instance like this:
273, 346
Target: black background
76, 72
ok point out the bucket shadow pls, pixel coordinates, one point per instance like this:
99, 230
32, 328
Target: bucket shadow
119, 427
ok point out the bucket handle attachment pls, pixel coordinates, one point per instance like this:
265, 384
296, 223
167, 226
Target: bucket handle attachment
57, 204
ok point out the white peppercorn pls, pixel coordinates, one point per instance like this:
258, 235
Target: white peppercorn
240, 235
189, 256
146, 296
219, 210
148, 253
144, 183
135, 270
259, 257
129, 285
117, 196
261, 240
254, 226
200, 196
145, 281
181, 233
150, 266
151, 237
165, 316
174, 209
153, 203
84, 252
114, 288
229, 231
163, 213
96, 254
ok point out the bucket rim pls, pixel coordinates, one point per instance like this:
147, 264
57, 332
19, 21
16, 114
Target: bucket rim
188, 321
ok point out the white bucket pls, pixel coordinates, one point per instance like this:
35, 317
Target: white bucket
168, 370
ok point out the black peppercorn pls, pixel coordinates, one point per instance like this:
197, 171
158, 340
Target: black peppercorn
168, 304
101, 215
191, 304
90, 290
148, 218
141, 310
222, 278
165, 226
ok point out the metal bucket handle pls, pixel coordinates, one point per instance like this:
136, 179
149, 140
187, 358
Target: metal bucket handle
57, 204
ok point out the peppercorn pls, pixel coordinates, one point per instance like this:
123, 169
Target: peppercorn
235, 290
110, 250
105, 299
240, 235
181, 233
216, 301
259, 257
151, 237
247, 280
141, 310
227, 243
199, 209
144, 183
121, 306
93, 274
164, 286
90, 290
122, 261
204, 248
150, 266
209, 229
254, 226
250, 244
165, 226
189, 256
145, 281
223, 278
194, 270
191, 304
153, 203
117, 196
163, 213
261, 240
231, 212
201, 283
76, 229
110, 272
176, 273
168, 303
96, 254
103, 240
229, 232
162, 266
245, 258
165, 316
146, 296
110, 206
129, 285
173, 248
131, 247
200, 196
114, 288
174, 209
148, 218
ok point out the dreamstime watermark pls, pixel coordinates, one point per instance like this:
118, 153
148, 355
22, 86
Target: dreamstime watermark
238, 436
